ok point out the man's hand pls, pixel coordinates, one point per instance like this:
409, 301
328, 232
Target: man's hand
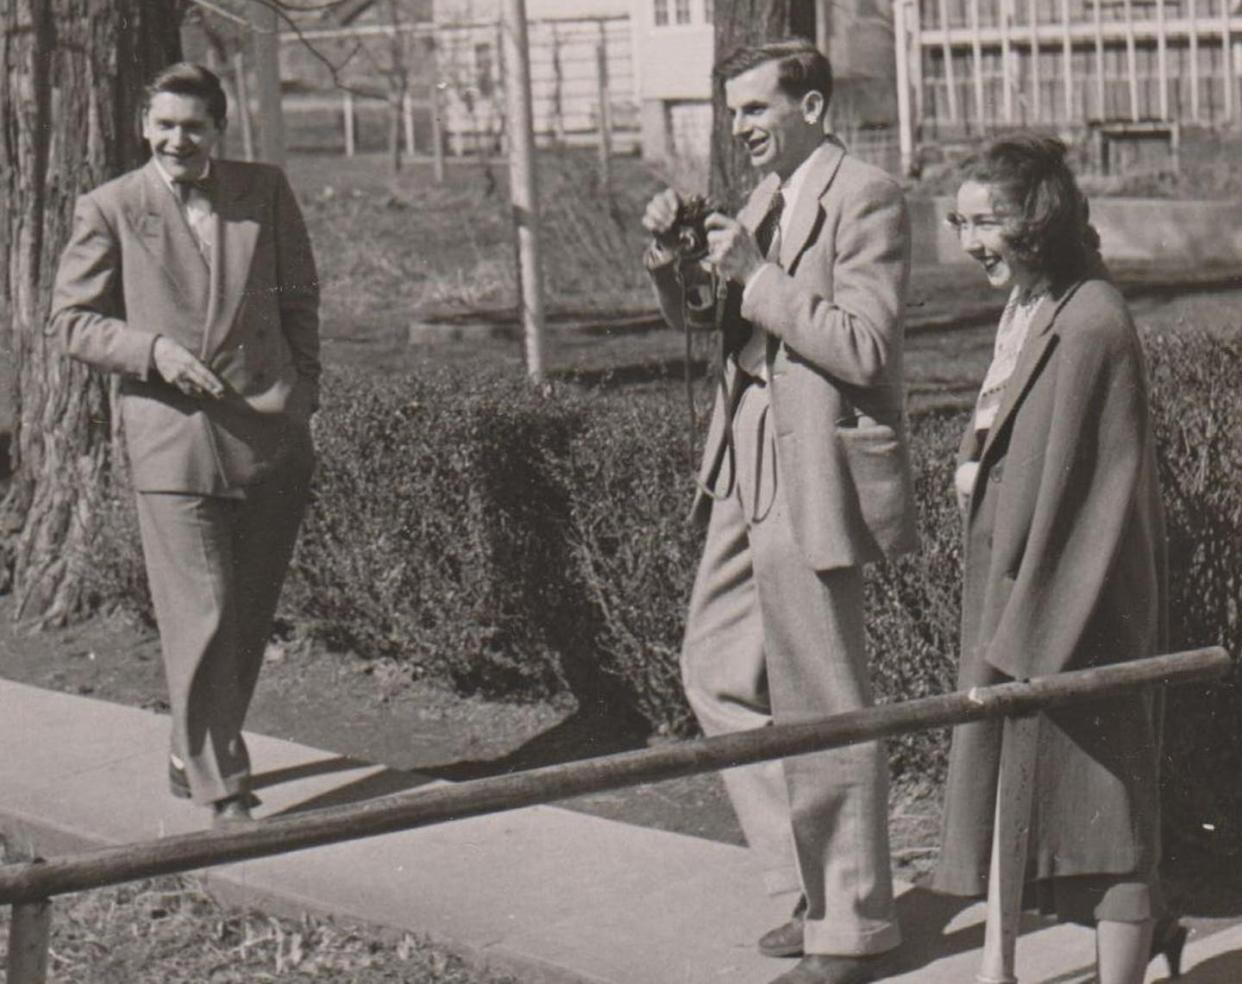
732, 249
661, 213
179, 367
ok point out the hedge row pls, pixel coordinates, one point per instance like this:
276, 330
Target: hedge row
518, 545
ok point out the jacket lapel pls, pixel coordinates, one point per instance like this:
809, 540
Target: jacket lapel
166, 235
807, 210
236, 231
1039, 340
757, 205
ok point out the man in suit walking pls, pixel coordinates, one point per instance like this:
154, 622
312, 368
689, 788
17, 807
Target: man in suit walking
193, 280
805, 478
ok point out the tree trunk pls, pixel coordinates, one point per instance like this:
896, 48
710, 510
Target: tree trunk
739, 23
71, 76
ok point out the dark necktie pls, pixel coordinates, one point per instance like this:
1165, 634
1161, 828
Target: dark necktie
768, 233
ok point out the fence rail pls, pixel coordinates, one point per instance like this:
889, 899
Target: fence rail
36, 881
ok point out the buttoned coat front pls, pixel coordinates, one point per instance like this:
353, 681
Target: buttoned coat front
132, 270
835, 317
1064, 568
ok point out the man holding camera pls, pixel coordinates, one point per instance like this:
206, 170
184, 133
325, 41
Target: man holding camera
804, 479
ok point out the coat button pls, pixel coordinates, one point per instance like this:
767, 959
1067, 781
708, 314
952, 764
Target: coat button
996, 474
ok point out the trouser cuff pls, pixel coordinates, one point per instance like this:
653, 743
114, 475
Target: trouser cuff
830, 937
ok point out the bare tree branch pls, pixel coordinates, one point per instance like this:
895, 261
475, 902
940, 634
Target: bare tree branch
284, 12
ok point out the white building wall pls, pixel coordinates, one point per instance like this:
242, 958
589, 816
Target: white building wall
674, 60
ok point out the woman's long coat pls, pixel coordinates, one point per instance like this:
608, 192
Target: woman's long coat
1064, 568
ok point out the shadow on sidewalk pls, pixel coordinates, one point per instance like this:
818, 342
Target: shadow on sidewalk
924, 916
582, 735
1225, 968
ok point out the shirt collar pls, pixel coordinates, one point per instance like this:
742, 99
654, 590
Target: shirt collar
791, 188
167, 178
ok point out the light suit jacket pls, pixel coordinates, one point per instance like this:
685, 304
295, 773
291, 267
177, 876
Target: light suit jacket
132, 270
835, 316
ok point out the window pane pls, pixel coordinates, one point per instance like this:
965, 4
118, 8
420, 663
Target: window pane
661, 12
707, 11
683, 11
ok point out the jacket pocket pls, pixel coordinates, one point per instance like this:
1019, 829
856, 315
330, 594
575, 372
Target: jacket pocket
877, 462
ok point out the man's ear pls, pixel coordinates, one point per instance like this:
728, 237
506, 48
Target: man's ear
813, 107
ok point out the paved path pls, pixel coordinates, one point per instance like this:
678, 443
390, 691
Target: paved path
546, 894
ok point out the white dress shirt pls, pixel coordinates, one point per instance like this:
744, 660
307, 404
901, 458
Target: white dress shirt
197, 210
753, 358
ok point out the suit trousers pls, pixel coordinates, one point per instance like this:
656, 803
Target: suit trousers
216, 566
770, 639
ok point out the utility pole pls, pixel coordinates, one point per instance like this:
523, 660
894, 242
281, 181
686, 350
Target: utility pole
523, 186
905, 121
266, 47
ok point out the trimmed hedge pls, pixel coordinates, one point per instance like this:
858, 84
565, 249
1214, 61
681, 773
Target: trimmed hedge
520, 545
1198, 405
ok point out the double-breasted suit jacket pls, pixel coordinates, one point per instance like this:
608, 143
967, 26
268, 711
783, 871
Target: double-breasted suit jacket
835, 325
132, 270
1064, 570
222, 482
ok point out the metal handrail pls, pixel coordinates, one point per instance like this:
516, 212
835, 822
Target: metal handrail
34, 882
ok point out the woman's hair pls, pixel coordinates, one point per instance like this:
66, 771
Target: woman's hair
1048, 225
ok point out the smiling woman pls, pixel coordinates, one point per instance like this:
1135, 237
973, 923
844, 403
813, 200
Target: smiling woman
1064, 558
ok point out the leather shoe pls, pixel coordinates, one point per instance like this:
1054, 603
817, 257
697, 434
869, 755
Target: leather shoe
234, 809
1168, 938
786, 939
823, 968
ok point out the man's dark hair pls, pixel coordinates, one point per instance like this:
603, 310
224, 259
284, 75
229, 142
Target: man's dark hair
188, 79
1049, 227
803, 67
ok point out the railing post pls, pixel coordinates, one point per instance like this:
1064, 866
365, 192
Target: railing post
1015, 787
29, 933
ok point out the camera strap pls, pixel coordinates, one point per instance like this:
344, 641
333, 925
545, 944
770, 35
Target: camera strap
692, 424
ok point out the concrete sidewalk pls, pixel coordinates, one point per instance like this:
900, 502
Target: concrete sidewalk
546, 894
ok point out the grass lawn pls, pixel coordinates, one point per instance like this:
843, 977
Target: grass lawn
169, 931
417, 275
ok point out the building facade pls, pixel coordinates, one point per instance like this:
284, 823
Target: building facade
976, 66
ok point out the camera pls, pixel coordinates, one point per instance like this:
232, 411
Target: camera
688, 235
687, 240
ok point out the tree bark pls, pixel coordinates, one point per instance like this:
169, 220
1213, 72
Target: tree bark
71, 77
739, 23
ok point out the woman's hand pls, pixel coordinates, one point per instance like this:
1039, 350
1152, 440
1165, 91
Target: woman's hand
964, 482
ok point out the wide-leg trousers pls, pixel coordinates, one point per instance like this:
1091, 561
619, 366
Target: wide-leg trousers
770, 639
216, 565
